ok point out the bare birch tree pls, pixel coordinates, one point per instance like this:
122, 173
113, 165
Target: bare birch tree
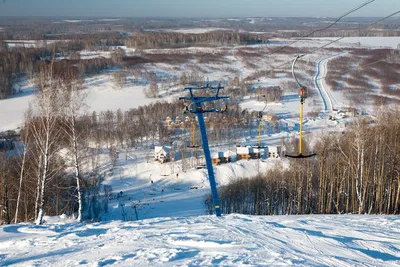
46, 131
74, 104
24, 149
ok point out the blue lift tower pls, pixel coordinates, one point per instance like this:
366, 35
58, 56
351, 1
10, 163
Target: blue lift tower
197, 108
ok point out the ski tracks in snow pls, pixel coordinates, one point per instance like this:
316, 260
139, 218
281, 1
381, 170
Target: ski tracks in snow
319, 80
232, 240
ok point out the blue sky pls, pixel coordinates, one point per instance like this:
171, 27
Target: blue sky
194, 8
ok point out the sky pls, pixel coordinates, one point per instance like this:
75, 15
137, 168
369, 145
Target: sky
195, 8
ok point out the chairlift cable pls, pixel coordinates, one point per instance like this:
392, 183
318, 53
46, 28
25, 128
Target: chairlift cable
334, 41
321, 47
322, 29
325, 28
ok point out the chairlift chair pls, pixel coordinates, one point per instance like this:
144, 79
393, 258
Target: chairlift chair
260, 115
302, 95
193, 144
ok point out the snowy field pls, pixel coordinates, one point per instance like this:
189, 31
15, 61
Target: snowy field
190, 30
386, 42
102, 94
233, 240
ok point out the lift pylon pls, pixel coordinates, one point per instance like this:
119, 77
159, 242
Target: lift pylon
198, 109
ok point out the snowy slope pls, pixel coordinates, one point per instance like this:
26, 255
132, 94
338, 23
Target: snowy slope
173, 229
172, 192
233, 240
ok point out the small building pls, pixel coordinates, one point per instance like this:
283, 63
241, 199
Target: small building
220, 158
243, 152
254, 152
338, 114
247, 152
230, 156
162, 153
168, 121
215, 158
269, 117
274, 152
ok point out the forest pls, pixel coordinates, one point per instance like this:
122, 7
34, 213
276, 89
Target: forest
356, 171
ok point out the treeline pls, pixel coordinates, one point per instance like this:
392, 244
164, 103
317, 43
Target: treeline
15, 63
150, 40
18, 62
52, 170
145, 126
354, 172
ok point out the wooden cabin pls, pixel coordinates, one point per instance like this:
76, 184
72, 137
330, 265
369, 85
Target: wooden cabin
243, 152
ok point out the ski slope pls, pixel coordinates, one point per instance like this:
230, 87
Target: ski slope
173, 229
232, 240
328, 99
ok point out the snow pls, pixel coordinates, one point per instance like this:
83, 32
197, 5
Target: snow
190, 30
102, 95
328, 99
232, 240
13, 109
391, 42
289, 105
376, 42
75, 20
161, 219
94, 54
29, 43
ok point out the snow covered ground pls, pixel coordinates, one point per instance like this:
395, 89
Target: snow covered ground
12, 109
387, 42
232, 240
324, 91
29, 43
171, 228
190, 30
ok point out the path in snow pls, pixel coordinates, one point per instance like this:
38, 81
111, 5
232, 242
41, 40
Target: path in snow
232, 240
319, 79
